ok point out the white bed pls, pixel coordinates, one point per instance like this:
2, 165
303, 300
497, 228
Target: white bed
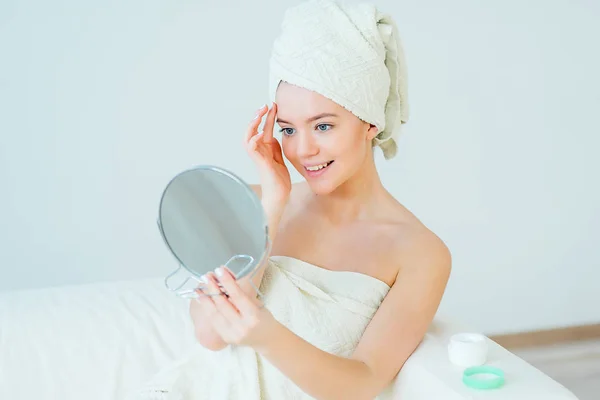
96, 341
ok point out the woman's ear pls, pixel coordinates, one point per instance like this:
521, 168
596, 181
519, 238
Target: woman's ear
372, 132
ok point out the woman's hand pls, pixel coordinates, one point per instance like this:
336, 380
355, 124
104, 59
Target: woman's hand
267, 155
238, 318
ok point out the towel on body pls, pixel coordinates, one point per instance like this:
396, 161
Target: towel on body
351, 54
329, 309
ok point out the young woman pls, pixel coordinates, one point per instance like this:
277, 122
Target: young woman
354, 278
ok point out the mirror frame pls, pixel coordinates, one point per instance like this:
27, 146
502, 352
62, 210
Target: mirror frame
250, 269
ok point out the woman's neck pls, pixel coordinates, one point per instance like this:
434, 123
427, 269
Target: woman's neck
357, 198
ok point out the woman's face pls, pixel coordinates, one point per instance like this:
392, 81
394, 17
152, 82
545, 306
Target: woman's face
326, 143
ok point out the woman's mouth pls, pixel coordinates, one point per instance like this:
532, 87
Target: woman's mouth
317, 170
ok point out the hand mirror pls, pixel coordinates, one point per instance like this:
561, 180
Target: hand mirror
209, 217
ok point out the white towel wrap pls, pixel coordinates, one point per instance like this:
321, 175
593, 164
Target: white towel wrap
349, 53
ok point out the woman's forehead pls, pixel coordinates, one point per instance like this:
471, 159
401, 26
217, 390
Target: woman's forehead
300, 104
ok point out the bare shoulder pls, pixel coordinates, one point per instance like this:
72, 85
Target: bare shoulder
416, 246
425, 250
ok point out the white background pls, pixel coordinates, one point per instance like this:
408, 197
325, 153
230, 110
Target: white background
101, 103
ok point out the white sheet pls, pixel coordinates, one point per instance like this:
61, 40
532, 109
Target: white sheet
99, 340
90, 341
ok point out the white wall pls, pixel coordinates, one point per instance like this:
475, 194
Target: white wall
100, 104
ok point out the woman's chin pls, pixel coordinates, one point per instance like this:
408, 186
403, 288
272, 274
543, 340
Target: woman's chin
322, 183
321, 186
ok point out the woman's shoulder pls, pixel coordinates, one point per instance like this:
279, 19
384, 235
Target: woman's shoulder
411, 240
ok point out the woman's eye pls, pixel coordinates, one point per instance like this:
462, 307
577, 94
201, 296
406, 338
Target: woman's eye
323, 127
287, 131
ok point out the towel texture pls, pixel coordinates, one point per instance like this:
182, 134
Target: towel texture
351, 54
330, 309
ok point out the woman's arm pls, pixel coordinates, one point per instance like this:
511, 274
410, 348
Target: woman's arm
273, 192
393, 334
273, 213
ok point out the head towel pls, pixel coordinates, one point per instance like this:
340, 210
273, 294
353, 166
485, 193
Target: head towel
349, 53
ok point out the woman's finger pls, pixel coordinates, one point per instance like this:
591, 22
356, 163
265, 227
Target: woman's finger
224, 306
256, 150
270, 123
199, 290
253, 143
276, 149
237, 296
253, 127
207, 308
212, 292
204, 301
212, 288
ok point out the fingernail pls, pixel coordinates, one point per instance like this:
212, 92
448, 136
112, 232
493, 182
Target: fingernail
219, 271
203, 279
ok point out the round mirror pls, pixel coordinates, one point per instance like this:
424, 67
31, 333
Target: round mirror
209, 217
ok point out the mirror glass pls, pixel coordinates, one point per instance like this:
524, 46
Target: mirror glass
210, 217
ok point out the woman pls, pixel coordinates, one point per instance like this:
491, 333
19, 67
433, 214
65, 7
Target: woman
354, 278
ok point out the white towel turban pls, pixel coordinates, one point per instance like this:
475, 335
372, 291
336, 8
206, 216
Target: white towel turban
349, 53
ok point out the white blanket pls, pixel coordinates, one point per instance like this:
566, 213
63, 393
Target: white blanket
99, 341
329, 309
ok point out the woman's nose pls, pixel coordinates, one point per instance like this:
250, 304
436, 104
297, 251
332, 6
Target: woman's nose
307, 145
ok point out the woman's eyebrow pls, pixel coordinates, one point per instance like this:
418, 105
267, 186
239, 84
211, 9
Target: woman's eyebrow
316, 117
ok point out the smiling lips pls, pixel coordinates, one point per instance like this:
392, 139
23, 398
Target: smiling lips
316, 170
